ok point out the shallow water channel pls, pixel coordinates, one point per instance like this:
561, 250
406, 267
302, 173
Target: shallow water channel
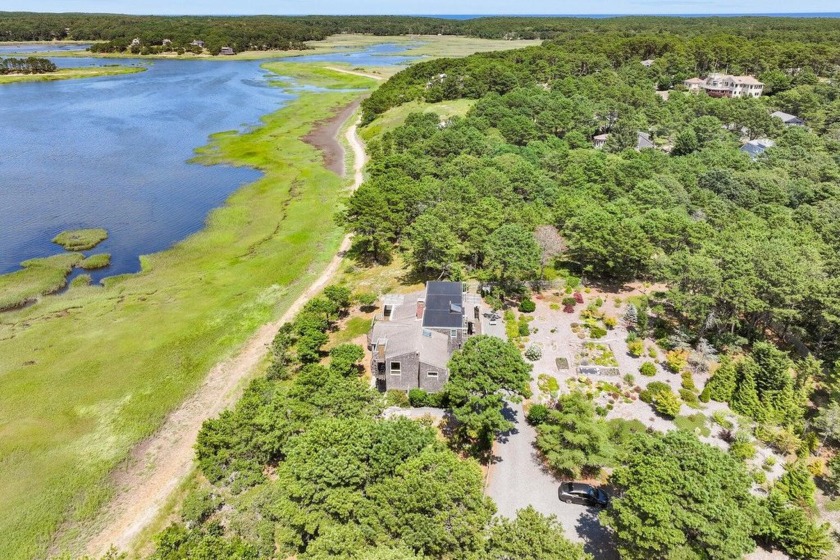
113, 152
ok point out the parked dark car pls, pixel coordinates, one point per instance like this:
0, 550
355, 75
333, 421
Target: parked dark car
580, 493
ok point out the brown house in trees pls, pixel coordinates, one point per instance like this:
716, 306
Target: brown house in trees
414, 337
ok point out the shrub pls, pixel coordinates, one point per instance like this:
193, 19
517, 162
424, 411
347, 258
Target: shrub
705, 396
527, 306
568, 309
636, 347
533, 352
648, 369
199, 505
419, 397
652, 352
741, 446
599, 302
667, 404
365, 299
569, 301
629, 378
523, 329
676, 360
759, 477
610, 322
688, 382
537, 414
597, 332
578, 297
572, 282
398, 398
689, 397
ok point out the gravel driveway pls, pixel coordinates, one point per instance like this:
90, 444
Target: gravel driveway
516, 479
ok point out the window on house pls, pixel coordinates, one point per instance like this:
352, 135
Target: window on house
453, 333
432, 374
395, 368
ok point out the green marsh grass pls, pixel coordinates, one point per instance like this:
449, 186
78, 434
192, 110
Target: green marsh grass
37, 278
100, 260
80, 239
88, 374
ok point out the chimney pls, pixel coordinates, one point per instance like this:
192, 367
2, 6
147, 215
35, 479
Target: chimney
421, 307
380, 348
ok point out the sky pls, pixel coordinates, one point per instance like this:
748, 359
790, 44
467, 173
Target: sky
424, 7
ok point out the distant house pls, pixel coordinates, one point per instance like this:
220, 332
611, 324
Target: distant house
226, 51
724, 85
643, 141
694, 84
757, 147
166, 42
600, 140
413, 339
788, 119
197, 43
647, 63
135, 42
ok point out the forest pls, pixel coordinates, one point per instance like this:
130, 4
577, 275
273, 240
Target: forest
30, 65
745, 247
176, 33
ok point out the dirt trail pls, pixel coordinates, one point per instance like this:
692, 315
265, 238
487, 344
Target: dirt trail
158, 465
355, 73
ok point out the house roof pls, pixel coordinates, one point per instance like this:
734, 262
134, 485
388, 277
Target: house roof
601, 137
444, 305
643, 141
746, 80
403, 336
757, 147
786, 117
694, 81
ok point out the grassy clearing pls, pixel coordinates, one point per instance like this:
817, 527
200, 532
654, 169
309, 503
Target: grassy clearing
393, 118
71, 74
88, 374
37, 278
696, 424
94, 262
314, 75
80, 239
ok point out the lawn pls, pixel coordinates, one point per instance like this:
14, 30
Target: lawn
87, 374
395, 117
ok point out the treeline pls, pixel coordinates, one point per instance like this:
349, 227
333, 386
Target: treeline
30, 65
619, 38
781, 64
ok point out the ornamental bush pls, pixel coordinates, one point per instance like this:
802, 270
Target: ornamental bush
527, 306
533, 352
648, 369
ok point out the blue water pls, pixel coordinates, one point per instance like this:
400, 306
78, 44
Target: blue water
9, 49
113, 152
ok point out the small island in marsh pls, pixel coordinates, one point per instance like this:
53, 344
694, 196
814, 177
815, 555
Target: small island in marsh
33, 69
80, 239
94, 262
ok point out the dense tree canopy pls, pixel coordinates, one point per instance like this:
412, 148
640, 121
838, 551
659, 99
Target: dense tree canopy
681, 499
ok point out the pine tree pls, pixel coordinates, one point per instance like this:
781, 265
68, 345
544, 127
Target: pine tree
723, 383
631, 316
745, 397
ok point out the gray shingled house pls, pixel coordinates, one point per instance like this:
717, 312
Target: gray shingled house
413, 338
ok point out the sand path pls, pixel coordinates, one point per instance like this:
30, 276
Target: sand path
158, 465
355, 73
